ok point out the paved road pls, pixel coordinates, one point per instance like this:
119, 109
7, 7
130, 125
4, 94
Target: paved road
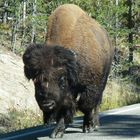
122, 124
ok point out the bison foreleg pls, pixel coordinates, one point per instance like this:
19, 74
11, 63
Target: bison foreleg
45, 119
48, 118
59, 130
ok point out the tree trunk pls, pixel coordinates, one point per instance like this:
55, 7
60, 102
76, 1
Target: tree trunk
15, 28
5, 12
33, 22
24, 12
130, 26
14, 36
23, 22
116, 23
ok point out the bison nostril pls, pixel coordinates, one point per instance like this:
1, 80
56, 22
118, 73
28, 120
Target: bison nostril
50, 104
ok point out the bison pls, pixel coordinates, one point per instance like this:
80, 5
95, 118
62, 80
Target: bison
70, 69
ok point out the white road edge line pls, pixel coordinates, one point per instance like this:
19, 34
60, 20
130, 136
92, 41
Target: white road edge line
122, 111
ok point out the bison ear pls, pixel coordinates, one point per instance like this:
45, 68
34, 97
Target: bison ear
31, 59
29, 73
72, 71
69, 59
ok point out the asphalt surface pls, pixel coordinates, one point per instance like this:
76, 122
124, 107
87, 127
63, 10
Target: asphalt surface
122, 124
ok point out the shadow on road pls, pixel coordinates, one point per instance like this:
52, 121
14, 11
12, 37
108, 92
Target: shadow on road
120, 125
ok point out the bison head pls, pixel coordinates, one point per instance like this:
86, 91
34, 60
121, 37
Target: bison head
53, 70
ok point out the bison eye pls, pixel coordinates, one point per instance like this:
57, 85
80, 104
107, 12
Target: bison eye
62, 82
45, 79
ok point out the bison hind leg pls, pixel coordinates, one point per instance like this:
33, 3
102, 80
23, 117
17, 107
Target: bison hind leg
96, 122
91, 120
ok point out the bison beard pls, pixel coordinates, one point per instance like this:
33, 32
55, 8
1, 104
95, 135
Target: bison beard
72, 74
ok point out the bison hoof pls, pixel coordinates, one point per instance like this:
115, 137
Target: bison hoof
96, 128
57, 133
90, 129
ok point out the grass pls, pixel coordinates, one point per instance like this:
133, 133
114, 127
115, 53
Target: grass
19, 119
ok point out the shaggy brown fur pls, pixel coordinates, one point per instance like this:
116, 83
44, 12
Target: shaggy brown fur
72, 28
74, 75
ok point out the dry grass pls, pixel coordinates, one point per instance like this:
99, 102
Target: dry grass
19, 119
120, 93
